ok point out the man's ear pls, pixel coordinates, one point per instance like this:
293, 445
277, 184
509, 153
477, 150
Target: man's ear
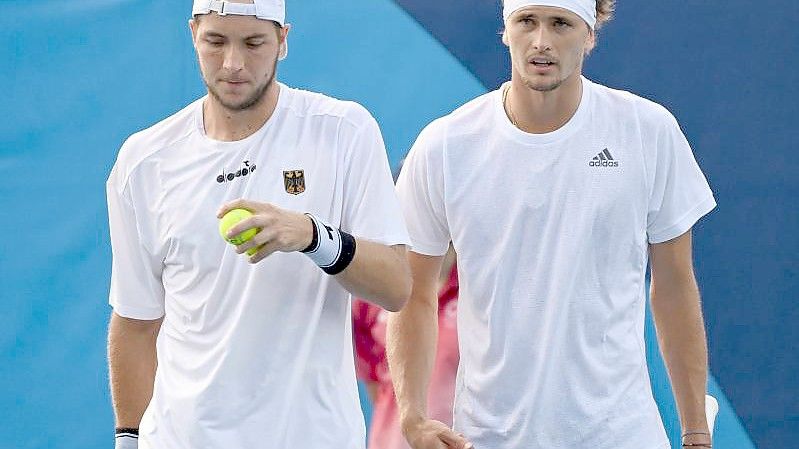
284, 31
193, 25
590, 42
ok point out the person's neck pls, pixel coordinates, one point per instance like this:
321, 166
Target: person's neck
227, 125
539, 112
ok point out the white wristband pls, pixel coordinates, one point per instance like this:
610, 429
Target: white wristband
126, 438
126, 442
328, 244
331, 249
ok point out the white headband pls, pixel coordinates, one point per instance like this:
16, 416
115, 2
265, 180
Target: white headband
586, 9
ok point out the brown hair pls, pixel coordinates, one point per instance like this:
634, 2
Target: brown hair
604, 11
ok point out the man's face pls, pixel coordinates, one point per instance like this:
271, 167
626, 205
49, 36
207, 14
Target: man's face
238, 57
547, 45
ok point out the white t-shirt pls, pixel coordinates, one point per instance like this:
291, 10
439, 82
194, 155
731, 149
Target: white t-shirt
248, 355
551, 232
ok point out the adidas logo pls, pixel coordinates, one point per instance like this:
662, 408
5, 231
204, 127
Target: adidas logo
603, 159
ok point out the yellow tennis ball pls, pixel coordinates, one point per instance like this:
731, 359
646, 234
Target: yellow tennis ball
229, 220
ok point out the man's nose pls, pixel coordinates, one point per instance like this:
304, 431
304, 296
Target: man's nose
542, 39
234, 59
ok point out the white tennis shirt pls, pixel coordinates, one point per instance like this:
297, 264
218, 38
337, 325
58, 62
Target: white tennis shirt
248, 355
552, 232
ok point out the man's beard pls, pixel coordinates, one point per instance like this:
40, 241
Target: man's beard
554, 84
249, 102
544, 88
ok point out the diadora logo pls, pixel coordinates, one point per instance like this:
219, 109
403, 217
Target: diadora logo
603, 159
243, 171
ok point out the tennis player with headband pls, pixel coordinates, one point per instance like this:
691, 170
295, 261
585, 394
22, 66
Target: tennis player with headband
556, 193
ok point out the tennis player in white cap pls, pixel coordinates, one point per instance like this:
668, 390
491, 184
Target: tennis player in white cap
556, 193
211, 348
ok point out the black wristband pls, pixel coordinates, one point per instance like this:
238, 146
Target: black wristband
130, 432
346, 256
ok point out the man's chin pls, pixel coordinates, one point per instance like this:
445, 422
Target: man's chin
240, 101
542, 84
236, 102
236, 105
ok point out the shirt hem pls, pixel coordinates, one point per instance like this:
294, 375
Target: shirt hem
137, 313
428, 250
386, 240
685, 223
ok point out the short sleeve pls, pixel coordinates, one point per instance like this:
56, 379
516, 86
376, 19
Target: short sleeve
371, 208
680, 194
421, 192
136, 288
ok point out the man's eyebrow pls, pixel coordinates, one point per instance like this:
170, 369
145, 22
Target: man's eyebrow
212, 34
220, 35
534, 15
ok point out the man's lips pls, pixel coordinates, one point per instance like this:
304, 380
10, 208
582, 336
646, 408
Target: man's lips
542, 62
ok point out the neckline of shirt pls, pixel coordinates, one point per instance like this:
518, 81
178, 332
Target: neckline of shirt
282, 101
568, 129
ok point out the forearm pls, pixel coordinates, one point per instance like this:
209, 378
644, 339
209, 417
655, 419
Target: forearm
411, 346
681, 334
132, 363
378, 273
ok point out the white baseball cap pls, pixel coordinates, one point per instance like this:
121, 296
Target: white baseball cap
274, 10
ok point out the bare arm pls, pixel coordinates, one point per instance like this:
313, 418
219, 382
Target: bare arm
378, 273
411, 339
677, 311
132, 363
411, 347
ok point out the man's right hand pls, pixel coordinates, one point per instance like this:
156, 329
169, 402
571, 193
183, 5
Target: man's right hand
432, 434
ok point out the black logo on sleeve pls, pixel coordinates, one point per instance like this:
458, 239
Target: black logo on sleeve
243, 171
603, 159
294, 181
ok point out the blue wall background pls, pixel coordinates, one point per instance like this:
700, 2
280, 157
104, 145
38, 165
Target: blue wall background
81, 76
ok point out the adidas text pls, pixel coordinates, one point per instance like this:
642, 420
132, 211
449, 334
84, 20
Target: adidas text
603, 164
